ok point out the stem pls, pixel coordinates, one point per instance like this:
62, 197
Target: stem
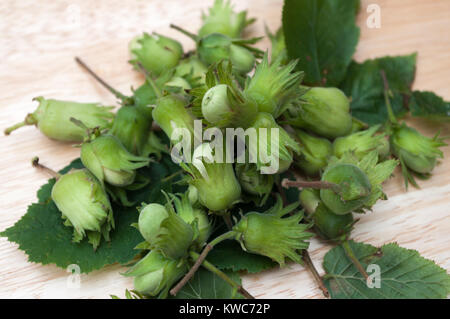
188, 54
286, 183
168, 178
355, 261
391, 114
29, 120
363, 124
315, 273
281, 192
185, 32
222, 275
15, 127
227, 219
52, 173
119, 95
149, 79
199, 261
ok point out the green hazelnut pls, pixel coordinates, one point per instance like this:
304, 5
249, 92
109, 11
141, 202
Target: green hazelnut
156, 53
84, 205
215, 104
180, 82
241, 58
274, 86
327, 224
331, 226
310, 199
361, 143
110, 161
216, 183
171, 113
222, 102
418, 152
132, 127
324, 111
53, 118
144, 95
354, 188
269, 134
314, 153
191, 66
192, 194
155, 274
194, 216
213, 48
222, 19
375, 170
216, 47
252, 181
150, 219
165, 231
271, 235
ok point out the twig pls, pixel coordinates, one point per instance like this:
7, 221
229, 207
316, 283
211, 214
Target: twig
286, 183
199, 261
101, 81
149, 79
29, 120
185, 32
282, 192
52, 173
227, 219
170, 177
222, 275
15, 127
315, 273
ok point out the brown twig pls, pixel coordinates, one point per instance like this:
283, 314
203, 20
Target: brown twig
191, 271
200, 260
286, 183
52, 173
315, 273
227, 220
119, 95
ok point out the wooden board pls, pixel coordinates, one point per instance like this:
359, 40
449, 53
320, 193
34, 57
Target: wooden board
38, 41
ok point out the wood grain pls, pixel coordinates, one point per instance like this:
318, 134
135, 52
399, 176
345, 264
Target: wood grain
37, 44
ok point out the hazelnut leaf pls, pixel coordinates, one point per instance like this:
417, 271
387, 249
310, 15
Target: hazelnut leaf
403, 273
229, 255
364, 85
206, 285
322, 35
429, 105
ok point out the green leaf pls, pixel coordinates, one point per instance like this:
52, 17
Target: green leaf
229, 255
40, 233
364, 85
323, 35
429, 105
403, 273
206, 285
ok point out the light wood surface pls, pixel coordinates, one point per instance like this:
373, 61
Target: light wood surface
38, 40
